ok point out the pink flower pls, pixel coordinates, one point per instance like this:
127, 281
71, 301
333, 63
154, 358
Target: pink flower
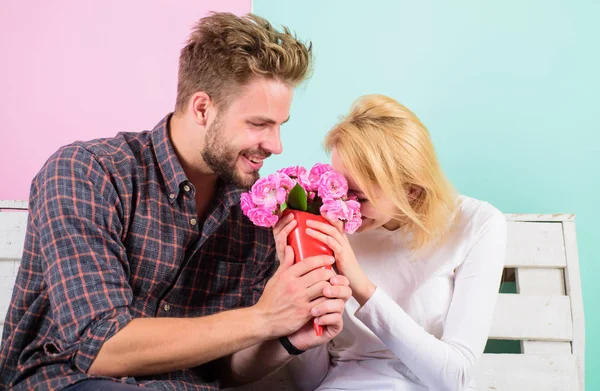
353, 209
352, 225
334, 209
285, 181
262, 217
332, 185
352, 196
348, 211
299, 174
318, 170
267, 192
246, 202
315, 174
354, 219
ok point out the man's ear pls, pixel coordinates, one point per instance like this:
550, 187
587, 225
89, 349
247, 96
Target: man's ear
200, 105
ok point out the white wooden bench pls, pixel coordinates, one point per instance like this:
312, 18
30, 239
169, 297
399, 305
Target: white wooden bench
546, 314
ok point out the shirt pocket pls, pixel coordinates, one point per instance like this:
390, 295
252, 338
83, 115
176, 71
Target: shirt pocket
221, 284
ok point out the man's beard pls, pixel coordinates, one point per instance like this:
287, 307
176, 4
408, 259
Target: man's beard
222, 159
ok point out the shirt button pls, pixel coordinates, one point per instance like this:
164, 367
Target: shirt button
193, 221
167, 307
172, 196
186, 188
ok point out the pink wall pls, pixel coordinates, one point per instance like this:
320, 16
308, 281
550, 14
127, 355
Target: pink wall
77, 70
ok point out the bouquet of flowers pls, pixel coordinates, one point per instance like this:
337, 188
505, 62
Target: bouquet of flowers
322, 190
308, 195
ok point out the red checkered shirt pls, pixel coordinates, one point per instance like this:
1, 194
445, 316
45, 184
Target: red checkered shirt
113, 235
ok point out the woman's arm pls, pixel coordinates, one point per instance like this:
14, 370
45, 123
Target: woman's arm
308, 370
447, 363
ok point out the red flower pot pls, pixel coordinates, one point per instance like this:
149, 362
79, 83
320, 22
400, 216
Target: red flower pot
305, 246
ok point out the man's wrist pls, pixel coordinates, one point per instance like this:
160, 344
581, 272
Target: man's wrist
261, 323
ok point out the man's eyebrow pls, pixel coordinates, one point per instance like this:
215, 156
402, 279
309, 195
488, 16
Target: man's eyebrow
268, 120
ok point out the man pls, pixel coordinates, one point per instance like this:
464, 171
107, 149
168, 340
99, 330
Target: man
139, 267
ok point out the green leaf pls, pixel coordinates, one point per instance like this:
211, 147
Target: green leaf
297, 198
283, 207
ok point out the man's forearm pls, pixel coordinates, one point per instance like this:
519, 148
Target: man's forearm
158, 345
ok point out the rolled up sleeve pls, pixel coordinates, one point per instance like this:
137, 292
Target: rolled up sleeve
76, 214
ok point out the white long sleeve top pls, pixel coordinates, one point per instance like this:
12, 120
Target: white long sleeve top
427, 323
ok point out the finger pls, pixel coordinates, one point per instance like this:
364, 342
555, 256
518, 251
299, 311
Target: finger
288, 259
337, 292
339, 280
315, 276
316, 291
312, 263
281, 236
340, 226
329, 306
324, 228
289, 227
334, 319
317, 301
282, 223
331, 242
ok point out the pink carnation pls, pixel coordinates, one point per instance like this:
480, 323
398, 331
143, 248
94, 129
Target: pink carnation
262, 217
347, 211
246, 203
332, 185
334, 209
299, 174
352, 225
267, 192
315, 174
285, 181
354, 219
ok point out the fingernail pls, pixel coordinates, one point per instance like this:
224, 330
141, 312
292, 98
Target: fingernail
327, 291
315, 312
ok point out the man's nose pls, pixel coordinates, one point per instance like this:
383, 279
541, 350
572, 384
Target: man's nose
272, 142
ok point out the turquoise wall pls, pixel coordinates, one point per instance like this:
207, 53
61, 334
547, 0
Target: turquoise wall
508, 89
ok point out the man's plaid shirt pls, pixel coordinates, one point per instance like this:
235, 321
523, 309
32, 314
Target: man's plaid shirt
113, 235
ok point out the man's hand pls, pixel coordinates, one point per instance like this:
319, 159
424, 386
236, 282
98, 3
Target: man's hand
327, 314
293, 291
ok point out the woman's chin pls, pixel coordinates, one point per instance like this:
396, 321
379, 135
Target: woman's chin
367, 225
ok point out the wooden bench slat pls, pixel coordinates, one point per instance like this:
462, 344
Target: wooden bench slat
524, 317
12, 235
573, 290
516, 372
545, 347
547, 282
13, 204
535, 245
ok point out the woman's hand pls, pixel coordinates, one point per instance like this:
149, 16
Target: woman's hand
335, 238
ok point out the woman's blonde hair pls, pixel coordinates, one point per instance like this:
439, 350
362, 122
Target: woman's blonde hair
382, 143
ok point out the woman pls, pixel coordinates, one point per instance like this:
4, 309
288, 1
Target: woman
424, 267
